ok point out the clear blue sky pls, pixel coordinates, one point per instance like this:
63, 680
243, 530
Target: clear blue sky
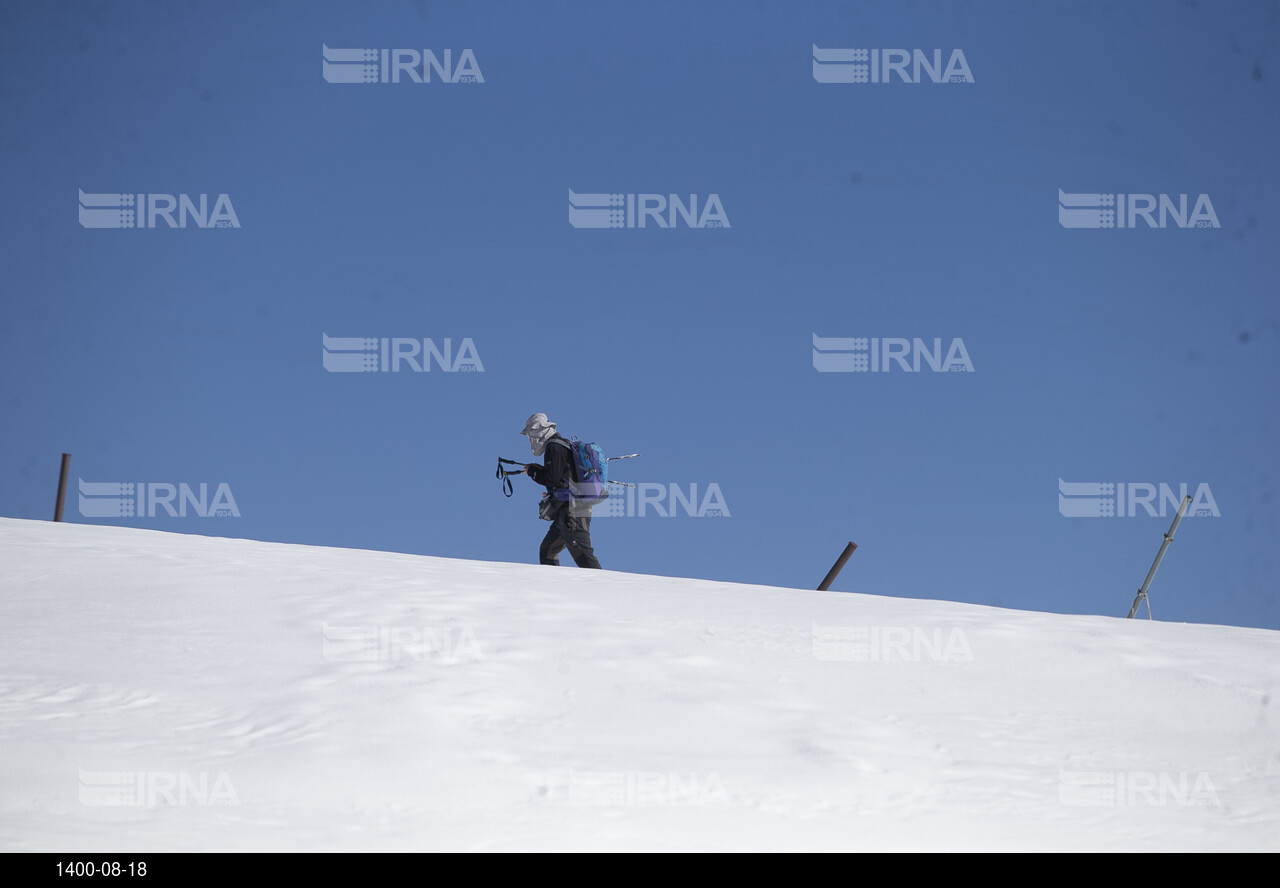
856, 210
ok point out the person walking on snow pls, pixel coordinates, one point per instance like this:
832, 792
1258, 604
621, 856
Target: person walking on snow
570, 523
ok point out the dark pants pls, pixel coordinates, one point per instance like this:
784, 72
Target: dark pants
572, 532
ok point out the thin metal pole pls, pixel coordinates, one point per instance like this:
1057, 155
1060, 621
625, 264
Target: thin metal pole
1168, 538
835, 568
62, 487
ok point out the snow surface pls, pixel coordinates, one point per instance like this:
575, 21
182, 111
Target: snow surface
172, 692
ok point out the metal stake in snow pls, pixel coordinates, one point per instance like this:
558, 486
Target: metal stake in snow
62, 487
1168, 538
835, 568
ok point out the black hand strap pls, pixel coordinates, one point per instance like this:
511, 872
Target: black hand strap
505, 474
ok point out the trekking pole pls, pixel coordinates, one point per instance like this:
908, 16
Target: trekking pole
1168, 538
505, 474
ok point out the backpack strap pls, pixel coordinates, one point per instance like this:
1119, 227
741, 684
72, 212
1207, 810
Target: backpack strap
573, 459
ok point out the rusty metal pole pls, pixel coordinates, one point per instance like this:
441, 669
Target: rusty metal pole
62, 487
835, 568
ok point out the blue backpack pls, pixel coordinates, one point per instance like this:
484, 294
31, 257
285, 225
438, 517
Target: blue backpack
590, 482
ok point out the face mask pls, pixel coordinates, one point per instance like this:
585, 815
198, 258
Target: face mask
538, 440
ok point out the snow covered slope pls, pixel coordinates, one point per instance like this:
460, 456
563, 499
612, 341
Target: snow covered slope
168, 692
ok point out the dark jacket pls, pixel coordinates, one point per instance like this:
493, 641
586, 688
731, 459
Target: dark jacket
557, 465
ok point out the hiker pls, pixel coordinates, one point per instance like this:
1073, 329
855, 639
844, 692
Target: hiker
570, 522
